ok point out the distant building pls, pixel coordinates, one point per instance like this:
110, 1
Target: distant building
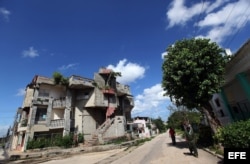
233, 103
98, 109
141, 127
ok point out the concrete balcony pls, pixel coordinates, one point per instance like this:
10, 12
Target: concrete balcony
122, 89
41, 101
21, 127
58, 123
130, 101
80, 82
59, 103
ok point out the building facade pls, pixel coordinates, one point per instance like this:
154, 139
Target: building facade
142, 127
97, 108
233, 102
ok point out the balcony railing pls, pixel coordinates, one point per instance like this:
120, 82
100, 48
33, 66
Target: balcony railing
122, 89
24, 122
41, 101
21, 128
59, 103
77, 81
22, 125
59, 123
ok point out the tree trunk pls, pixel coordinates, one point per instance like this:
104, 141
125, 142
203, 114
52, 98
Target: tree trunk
211, 117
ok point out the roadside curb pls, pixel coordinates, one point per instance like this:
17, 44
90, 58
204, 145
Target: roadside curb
16, 156
213, 153
44, 154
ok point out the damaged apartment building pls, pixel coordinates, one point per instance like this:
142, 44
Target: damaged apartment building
98, 108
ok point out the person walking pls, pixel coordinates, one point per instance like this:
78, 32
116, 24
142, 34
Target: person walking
190, 137
172, 135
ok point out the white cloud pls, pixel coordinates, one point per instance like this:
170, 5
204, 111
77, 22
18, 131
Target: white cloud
130, 71
31, 52
151, 102
164, 54
215, 5
5, 13
21, 92
179, 14
226, 21
228, 51
218, 19
69, 66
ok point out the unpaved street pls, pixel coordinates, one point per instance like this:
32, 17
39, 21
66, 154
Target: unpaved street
157, 151
161, 151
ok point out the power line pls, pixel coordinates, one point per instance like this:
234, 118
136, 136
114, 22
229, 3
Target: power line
231, 11
195, 30
241, 27
230, 14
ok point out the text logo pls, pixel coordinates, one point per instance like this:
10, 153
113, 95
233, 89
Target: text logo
237, 155
241, 155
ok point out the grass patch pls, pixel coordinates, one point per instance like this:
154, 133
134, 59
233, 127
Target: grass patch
216, 149
141, 141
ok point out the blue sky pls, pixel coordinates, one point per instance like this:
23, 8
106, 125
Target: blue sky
78, 37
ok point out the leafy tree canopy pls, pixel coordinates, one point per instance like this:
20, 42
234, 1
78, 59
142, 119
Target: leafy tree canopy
177, 118
159, 124
193, 70
60, 79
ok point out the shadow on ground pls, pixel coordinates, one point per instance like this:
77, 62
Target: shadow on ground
184, 145
180, 144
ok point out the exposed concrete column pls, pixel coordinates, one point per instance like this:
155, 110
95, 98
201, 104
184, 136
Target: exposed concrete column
33, 117
29, 132
67, 113
49, 110
26, 139
36, 92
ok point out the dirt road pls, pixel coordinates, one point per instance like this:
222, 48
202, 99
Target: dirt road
157, 151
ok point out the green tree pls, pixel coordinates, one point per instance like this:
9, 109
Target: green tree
175, 119
60, 79
159, 124
193, 71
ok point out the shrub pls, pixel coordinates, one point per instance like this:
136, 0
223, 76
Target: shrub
235, 135
67, 141
57, 77
80, 138
39, 143
56, 140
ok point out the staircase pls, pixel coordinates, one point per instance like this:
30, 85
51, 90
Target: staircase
99, 132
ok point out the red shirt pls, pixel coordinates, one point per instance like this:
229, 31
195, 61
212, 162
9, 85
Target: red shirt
171, 132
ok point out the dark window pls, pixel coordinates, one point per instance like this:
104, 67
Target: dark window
112, 99
72, 113
86, 95
222, 113
217, 101
41, 114
235, 109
